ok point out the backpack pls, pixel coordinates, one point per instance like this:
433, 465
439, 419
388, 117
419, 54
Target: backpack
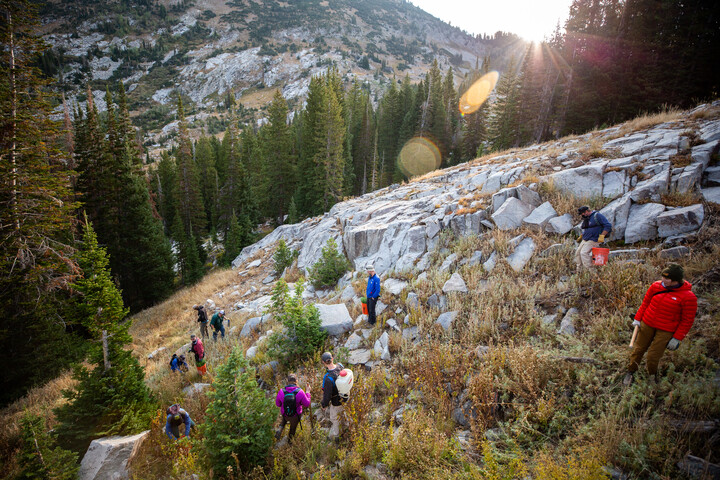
333, 375
289, 403
173, 359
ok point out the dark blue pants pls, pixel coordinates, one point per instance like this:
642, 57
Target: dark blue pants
222, 332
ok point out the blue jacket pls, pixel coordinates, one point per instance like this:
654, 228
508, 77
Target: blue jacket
176, 364
596, 224
373, 287
184, 417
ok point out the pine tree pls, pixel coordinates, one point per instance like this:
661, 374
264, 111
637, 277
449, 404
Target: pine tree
112, 398
36, 215
239, 235
209, 179
188, 260
279, 169
39, 458
309, 190
329, 159
188, 195
504, 125
239, 419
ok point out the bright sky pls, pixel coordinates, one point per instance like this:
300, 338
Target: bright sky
531, 19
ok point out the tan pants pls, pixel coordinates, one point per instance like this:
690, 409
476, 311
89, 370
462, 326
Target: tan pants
583, 254
652, 341
335, 415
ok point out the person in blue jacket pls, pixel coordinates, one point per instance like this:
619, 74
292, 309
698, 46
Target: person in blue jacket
372, 293
178, 364
594, 226
176, 417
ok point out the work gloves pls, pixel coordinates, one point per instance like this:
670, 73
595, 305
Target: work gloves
601, 238
636, 323
673, 344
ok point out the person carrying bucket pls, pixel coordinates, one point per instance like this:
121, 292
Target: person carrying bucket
595, 227
333, 399
197, 348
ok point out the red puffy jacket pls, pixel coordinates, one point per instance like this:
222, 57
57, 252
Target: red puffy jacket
671, 311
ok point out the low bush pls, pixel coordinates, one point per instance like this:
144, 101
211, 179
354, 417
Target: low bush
283, 257
331, 266
302, 336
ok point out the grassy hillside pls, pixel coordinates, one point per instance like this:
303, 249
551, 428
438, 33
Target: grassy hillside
500, 395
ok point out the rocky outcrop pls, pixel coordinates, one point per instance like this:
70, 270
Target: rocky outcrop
107, 458
335, 319
395, 228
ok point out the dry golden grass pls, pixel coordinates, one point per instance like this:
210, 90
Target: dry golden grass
678, 199
680, 160
706, 113
647, 120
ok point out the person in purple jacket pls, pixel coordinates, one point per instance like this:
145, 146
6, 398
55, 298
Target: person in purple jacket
291, 401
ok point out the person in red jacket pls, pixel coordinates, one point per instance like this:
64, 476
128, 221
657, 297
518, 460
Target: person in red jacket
665, 317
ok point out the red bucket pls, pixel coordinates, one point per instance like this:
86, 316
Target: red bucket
364, 308
600, 256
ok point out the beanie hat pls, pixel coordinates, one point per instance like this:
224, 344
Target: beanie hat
583, 209
674, 272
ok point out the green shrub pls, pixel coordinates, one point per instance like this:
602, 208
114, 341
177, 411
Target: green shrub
331, 266
283, 257
39, 458
239, 419
302, 336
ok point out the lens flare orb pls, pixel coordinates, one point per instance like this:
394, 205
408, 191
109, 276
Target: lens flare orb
478, 93
418, 157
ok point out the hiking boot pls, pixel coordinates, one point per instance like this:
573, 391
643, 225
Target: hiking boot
628, 379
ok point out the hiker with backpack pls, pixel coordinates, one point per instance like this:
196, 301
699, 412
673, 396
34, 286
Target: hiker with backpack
176, 416
666, 315
332, 401
291, 400
178, 364
595, 227
197, 348
202, 320
216, 323
372, 293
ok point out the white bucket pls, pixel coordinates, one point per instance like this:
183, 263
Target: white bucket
344, 382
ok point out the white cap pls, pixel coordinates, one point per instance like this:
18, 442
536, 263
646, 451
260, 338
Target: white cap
370, 268
222, 312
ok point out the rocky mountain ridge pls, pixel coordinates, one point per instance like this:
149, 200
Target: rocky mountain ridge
628, 175
205, 49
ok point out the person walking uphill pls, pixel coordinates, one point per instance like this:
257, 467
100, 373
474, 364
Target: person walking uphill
197, 348
216, 323
291, 401
372, 293
202, 320
331, 401
665, 317
176, 416
595, 227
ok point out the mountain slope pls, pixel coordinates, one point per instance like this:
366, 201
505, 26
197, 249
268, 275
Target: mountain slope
205, 49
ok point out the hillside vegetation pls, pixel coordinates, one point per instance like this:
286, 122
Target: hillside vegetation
498, 395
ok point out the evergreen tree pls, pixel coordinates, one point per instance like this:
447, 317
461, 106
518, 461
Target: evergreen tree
278, 160
292, 212
239, 235
163, 179
329, 158
239, 419
309, 191
504, 125
188, 261
112, 398
188, 195
39, 458
36, 216
209, 179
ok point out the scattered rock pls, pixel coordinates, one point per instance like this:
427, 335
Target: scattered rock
413, 301
455, 284
699, 468
566, 326
482, 350
254, 263
522, 254
559, 225
335, 319
251, 325
394, 286
627, 253
251, 352
553, 249
448, 263
549, 319
191, 390
680, 220
353, 342
510, 215
642, 222
268, 279
490, 263
359, 357
540, 216
446, 319
347, 294
108, 457
410, 333
155, 353
381, 347
475, 258
392, 324
675, 252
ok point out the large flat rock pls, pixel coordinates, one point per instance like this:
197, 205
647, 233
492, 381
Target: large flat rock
510, 215
335, 319
642, 222
680, 220
107, 458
